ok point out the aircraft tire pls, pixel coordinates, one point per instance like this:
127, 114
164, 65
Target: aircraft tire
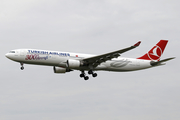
86, 78
82, 75
22, 68
94, 75
90, 72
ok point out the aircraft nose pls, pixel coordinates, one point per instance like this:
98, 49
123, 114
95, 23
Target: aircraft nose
7, 55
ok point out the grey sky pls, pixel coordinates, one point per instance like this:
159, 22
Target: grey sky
95, 27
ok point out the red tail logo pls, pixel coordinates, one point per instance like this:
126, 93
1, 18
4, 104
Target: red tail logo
156, 52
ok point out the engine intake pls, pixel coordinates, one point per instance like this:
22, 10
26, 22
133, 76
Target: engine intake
73, 63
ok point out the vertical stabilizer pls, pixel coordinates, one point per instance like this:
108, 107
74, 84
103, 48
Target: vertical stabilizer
156, 52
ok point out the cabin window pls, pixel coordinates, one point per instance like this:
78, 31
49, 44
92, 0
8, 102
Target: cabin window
12, 52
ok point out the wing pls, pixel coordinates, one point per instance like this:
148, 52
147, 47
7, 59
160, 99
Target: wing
97, 60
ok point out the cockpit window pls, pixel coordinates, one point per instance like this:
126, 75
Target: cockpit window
12, 52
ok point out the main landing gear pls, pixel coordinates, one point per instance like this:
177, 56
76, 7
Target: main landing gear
92, 73
84, 75
89, 72
22, 67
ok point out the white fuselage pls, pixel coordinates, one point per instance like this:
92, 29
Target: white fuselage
57, 58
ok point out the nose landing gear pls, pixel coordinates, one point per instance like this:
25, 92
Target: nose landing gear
22, 67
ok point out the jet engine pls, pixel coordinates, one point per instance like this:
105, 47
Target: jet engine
60, 70
73, 63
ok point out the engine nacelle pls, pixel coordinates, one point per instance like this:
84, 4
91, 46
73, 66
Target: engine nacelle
73, 63
60, 70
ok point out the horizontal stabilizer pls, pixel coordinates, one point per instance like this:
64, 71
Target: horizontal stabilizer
153, 63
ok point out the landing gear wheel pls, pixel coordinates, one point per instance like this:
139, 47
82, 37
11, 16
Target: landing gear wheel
90, 72
94, 75
86, 78
22, 68
82, 75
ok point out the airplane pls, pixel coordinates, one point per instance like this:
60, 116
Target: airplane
63, 62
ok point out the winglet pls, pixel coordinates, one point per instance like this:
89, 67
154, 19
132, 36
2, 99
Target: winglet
137, 44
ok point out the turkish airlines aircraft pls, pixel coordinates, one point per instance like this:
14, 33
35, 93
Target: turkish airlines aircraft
63, 62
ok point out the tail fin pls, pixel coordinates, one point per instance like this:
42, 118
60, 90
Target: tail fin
156, 52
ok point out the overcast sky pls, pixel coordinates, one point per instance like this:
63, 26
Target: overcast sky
95, 27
